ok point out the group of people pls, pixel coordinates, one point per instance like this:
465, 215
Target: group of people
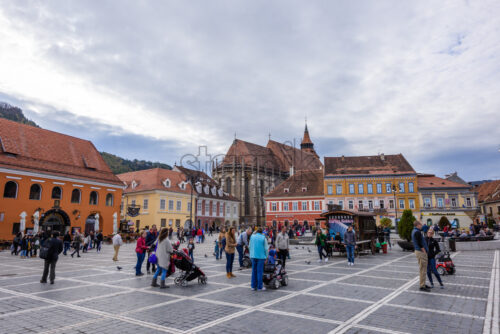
82, 242
26, 246
326, 243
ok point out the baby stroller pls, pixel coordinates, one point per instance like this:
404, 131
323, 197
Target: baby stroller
275, 275
189, 270
247, 263
444, 264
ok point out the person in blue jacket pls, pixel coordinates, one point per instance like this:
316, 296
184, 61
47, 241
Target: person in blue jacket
258, 255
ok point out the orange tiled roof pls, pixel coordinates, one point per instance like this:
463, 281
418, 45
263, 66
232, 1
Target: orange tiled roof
488, 192
367, 165
152, 179
431, 181
31, 149
302, 184
205, 180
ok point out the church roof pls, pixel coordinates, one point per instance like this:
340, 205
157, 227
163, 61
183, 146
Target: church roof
275, 156
306, 139
367, 165
28, 148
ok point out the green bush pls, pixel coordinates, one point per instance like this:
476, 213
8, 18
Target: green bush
443, 222
490, 222
386, 222
405, 225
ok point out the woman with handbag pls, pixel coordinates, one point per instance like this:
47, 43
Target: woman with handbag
162, 254
140, 250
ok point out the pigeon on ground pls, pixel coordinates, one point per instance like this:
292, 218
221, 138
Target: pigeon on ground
118, 267
302, 247
308, 262
296, 247
309, 250
206, 255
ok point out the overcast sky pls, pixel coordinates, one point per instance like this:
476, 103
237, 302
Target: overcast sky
156, 79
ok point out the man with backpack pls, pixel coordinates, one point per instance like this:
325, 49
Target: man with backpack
50, 251
241, 243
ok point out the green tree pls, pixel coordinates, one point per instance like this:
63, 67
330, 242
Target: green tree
490, 222
405, 225
386, 222
443, 222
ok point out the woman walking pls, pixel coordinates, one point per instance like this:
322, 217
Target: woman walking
320, 243
140, 250
431, 255
163, 252
230, 248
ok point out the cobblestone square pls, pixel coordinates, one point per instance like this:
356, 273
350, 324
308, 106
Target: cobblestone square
378, 295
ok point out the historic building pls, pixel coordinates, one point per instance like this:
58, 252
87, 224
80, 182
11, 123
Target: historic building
383, 184
155, 196
212, 206
489, 200
51, 181
442, 197
299, 200
249, 171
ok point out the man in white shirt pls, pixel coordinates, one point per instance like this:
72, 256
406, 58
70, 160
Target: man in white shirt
117, 242
282, 245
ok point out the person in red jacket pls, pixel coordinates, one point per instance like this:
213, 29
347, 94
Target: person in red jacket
140, 250
199, 235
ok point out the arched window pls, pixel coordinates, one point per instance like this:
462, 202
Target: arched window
35, 191
56, 193
76, 195
10, 190
109, 200
94, 197
228, 185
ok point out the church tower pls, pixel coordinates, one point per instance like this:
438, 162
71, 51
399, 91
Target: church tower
307, 145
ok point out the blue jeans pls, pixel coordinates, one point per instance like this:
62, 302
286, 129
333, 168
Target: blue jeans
216, 251
229, 262
221, 250
191, 255
431, 269
320, 251
350, 253
140, 260
67, 245
163, 272
239, 248
257, 273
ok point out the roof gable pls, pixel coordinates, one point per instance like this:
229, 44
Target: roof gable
368, 165
302, 184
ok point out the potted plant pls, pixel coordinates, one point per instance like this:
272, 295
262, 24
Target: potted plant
405, 227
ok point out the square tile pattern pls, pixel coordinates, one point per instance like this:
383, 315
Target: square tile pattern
377, 295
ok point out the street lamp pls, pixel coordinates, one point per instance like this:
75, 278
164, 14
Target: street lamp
394, 190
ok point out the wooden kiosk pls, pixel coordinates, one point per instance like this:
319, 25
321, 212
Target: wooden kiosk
363, 223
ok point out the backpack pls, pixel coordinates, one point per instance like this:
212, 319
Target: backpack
45, 250
153, 259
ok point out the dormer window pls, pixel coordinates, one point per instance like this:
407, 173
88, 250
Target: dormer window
304, 189
166, 183
220, 192
133, 184
287, 190
214, 189
206, 189
183, 185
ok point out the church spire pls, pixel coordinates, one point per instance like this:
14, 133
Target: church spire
307, 145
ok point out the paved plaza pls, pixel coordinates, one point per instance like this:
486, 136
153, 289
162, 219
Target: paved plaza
378, 295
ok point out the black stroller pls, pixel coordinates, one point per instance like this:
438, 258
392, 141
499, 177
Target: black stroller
189, 270
247, 262
275, 275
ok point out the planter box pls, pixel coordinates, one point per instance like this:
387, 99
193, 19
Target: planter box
406, 245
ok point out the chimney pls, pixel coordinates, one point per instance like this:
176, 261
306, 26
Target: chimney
382, 156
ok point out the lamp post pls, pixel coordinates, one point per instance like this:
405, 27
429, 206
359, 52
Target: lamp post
394, 190
192, 180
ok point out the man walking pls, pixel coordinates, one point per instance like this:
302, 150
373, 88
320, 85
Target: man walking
98, 240
258, 254
421, 251
350, 245
117, 242
241, 244
282, 245
55, 247
67, 242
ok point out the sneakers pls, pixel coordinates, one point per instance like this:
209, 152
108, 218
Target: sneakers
263, 289
441, 286
425, 288
319, 261
326, 259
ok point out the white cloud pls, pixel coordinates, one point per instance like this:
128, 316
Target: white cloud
415, 77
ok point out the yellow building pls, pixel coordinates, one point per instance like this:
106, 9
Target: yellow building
156, 196
383, 184
444, 198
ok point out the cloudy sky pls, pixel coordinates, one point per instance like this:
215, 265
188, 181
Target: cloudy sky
156, 79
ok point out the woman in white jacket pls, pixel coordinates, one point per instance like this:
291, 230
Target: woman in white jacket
163, 252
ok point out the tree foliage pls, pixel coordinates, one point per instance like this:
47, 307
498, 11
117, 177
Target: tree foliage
119, 165
14, 114
405, 225
386, 222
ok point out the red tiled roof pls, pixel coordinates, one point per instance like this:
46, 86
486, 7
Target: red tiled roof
368, 165
306, 183
204, 180
431, 181
277, 156
152, 179
488, 192
27, 148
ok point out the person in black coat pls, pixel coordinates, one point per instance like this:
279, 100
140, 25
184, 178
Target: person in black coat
55, 247
431, 264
